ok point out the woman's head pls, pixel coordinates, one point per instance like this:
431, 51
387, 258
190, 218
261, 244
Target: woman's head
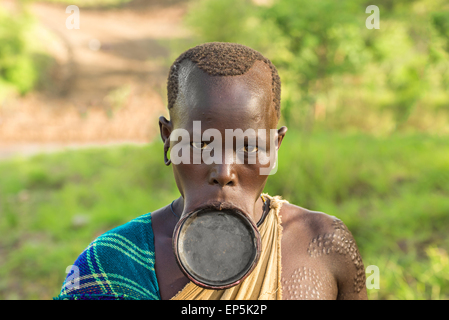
222, 87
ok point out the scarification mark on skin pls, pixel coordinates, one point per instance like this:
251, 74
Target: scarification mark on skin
341, 242
306, 284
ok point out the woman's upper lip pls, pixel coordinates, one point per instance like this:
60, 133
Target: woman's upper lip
218, 205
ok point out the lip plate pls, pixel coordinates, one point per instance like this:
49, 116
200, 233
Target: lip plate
213, 284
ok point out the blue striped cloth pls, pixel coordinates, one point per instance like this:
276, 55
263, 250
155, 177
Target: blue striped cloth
118, 265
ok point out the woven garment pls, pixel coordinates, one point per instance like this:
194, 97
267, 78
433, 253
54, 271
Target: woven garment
118, 265
264, 282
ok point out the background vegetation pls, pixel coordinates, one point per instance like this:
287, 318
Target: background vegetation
18, 71
367, 112
392, 194
335, 69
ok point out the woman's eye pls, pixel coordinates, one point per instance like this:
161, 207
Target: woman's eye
200, 145
250, 149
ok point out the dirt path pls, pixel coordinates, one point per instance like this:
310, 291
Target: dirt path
108, 83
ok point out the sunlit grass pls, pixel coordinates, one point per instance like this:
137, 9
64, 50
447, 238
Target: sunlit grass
392, 193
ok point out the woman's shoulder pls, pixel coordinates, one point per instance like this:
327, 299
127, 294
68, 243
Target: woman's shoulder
118, 263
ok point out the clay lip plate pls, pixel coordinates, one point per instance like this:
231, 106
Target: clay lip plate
216, 249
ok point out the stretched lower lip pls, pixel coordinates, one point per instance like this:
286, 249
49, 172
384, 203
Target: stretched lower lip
201, 271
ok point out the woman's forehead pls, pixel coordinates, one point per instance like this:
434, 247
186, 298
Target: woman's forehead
225, 100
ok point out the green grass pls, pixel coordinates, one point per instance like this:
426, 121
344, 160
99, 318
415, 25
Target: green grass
393, 194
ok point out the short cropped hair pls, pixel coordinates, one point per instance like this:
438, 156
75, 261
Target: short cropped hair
222, 59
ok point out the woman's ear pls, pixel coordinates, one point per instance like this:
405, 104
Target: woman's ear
281, 134
165, 128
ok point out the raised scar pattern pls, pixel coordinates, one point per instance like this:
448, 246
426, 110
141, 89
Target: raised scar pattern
305, 283
341, 242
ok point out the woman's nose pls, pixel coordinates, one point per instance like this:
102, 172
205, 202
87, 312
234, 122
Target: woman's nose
223, 175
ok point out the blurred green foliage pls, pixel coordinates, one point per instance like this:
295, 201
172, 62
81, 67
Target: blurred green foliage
17, 69
391, 193
23, 60
335, 70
